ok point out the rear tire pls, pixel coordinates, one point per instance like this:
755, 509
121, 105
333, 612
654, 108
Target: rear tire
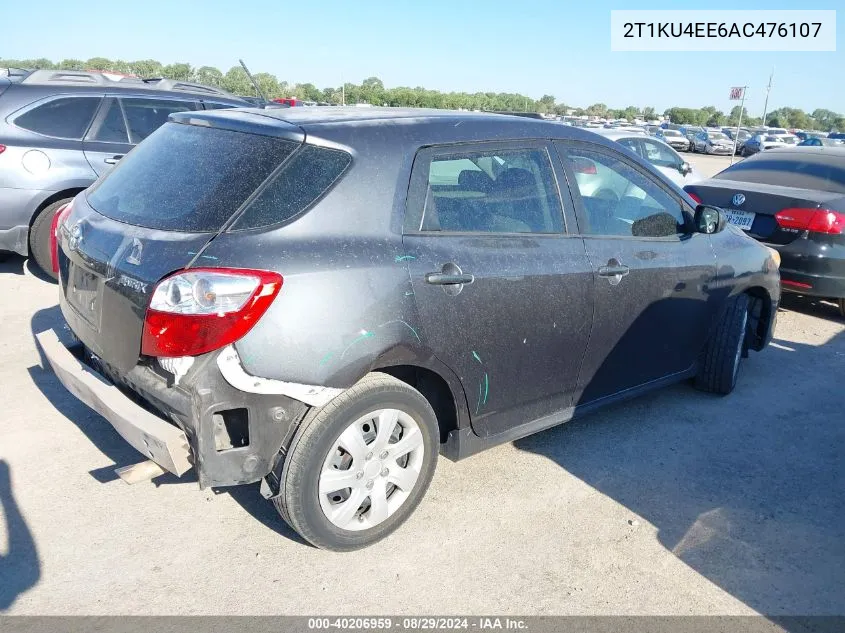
39, 237
318, 456
722, 356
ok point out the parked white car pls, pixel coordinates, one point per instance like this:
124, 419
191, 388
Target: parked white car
665, 159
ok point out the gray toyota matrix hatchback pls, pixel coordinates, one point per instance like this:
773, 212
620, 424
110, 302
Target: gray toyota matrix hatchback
323, 300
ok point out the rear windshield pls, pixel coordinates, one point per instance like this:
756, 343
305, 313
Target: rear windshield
822, 173
188, 178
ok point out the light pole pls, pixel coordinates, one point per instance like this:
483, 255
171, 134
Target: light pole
768, 89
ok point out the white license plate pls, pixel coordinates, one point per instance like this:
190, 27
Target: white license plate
742, 219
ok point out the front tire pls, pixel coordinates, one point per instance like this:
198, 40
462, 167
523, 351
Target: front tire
722, 356
359, 466
39, 237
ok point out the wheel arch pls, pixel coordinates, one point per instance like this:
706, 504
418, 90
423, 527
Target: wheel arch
760, 319
54, 197
439, 386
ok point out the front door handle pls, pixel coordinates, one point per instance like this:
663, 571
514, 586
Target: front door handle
446, 279
113, 160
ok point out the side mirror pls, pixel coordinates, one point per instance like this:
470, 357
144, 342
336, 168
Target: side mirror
685, 168
710, 219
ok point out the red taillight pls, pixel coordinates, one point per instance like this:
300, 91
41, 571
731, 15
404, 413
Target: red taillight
815, 220
61, 213
581, 165
795, 284
2, 148
203, 309
695, 198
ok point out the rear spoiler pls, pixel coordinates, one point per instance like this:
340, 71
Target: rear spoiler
251, 120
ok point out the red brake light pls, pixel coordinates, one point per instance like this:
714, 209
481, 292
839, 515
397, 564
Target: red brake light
581, 165
696, 198
58, 217
200, 310
815, 220
2, 148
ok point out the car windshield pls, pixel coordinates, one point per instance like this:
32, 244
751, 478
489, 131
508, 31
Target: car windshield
671, 133
718, 136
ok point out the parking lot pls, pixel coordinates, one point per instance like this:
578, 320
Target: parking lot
678, 502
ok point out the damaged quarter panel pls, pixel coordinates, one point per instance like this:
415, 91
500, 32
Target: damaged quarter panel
346, 304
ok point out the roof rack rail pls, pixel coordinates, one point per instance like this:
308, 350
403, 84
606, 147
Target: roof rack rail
104, 78
78, 77
161, 83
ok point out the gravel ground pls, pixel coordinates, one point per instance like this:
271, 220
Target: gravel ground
675, 503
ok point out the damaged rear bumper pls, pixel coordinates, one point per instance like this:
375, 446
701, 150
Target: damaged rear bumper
229, 435
160, 441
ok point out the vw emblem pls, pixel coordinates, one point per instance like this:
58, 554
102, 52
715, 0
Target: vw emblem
738, 200
75, 236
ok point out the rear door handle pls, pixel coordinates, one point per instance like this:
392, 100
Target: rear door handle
446, 279
618, 270
113, 160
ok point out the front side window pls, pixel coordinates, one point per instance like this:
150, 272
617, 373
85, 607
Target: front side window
618, 200
145, 116
491, 191
66, 117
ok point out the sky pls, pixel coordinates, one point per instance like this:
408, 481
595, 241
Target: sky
556, 47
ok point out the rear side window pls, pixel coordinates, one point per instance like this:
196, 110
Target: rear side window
112, 129
188, 178
308, 175
824, 173
491, 191
145, 116
67, 117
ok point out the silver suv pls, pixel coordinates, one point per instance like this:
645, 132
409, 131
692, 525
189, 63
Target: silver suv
61, 130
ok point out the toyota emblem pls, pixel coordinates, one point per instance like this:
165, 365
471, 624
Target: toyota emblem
738, 199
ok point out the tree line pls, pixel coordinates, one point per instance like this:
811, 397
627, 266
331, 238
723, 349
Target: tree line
373, 91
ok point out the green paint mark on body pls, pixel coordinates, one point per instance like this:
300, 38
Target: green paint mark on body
404, 258
475, 356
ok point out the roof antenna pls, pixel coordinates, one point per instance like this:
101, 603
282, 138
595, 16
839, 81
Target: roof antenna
252, 79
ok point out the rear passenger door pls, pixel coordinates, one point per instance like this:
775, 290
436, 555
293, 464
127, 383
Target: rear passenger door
122, 123
503, 291
108, 140
652, 303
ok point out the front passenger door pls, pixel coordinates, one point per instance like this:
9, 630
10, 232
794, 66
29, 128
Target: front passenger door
652, 302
